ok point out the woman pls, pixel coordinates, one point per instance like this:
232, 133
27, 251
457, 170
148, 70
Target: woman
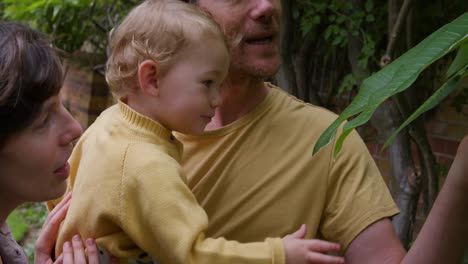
36, 138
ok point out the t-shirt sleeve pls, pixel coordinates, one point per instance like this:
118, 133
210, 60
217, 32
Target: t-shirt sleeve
357, 195
164, 219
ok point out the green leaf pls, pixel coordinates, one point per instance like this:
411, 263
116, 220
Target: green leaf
327, 136
396, 77
339, 142
340, 20
56, 9
460, 61
349, 81
306, 27
328, 32
315, 20
36, 5
433, 101
337, 41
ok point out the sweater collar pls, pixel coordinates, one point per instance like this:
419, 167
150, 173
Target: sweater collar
144, 123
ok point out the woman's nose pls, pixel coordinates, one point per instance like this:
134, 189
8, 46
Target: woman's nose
72, 129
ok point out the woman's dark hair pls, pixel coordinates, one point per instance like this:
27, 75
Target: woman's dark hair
30, 73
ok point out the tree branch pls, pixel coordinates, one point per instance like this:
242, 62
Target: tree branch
386, 58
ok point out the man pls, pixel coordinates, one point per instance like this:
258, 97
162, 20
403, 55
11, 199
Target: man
253, 171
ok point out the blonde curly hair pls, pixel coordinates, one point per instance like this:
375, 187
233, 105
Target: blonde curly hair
154, 30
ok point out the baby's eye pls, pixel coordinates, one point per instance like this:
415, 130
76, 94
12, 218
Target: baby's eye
208, 83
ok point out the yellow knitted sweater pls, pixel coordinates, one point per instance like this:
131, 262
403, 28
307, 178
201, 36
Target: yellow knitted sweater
129, 192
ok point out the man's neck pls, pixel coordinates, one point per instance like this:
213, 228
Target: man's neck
240, 96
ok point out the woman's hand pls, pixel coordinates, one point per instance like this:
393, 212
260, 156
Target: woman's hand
73, 252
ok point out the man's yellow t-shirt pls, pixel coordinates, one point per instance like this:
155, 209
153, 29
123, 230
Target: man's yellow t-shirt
257, 178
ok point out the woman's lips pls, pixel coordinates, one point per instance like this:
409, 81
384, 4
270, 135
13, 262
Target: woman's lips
63, 171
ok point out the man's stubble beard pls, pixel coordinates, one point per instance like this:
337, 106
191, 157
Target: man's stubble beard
241, 65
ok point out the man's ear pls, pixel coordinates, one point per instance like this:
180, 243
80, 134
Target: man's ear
148, 75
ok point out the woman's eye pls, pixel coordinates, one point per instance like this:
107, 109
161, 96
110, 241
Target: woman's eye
43, 122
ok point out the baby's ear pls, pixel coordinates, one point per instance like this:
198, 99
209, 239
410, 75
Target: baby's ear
148, 75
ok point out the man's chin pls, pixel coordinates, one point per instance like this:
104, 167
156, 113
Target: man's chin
263, 70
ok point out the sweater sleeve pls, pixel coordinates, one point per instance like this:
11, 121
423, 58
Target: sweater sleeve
162, 216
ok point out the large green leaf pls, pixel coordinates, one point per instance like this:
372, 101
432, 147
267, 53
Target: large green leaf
395, 78
433, 101
460, 61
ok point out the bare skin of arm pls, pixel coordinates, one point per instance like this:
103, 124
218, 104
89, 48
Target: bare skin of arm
443, 237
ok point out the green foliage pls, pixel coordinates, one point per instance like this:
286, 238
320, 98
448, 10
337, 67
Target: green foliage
70, 23
18, 225
25, 223
35, 214
338, 21
31, 214
349, 81
397, 77
63, 20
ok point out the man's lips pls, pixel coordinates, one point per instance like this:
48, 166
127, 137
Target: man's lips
261, 38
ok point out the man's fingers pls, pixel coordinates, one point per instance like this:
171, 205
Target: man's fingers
315, 257
322, 246
78, 250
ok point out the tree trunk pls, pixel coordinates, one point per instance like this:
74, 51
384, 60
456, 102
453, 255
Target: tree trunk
304, 65
287, 77
405, 181
430, 180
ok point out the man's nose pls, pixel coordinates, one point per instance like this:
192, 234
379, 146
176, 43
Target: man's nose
263, 10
